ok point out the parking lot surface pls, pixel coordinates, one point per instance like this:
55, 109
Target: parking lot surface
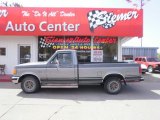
137, 101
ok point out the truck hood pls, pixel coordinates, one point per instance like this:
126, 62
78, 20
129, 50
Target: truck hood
154, 63
32, 65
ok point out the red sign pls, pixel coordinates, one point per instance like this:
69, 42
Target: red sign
71, 21
109, 40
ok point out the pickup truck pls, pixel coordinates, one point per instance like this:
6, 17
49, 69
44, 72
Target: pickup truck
62, 70
151, 63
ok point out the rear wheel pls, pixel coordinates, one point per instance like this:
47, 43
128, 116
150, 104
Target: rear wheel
113, 85
30, 84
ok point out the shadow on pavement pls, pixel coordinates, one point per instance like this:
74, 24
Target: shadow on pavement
133, 91
9, 85
156, 72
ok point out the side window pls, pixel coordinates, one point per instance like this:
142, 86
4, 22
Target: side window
2, 51
143, 59
136, 59
54, 60
65, 58
140, 59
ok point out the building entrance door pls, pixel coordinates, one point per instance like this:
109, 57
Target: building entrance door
24, 54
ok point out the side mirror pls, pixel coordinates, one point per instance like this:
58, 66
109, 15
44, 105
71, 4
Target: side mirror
57, 64
55, 61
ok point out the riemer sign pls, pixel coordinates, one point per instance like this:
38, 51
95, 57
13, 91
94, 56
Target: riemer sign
71, 21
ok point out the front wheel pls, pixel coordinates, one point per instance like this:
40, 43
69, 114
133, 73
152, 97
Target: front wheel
30, 84
113, 85
150, 69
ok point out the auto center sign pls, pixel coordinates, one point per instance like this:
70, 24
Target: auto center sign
71, 21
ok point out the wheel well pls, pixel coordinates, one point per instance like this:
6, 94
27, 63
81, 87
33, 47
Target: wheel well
150, 66
114, 75
28, 75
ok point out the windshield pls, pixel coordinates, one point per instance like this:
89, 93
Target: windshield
153, 60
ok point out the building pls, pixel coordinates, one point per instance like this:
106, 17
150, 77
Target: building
34, 34
133, 52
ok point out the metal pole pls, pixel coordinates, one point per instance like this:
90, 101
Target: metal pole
141, 9
141, 4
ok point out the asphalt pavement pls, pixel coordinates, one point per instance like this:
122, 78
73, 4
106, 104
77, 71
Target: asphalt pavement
137, 101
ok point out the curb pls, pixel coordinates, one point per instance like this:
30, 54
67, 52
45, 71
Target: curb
5, 78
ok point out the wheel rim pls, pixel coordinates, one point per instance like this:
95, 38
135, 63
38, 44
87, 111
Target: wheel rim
113, 86
29, 85
150, 69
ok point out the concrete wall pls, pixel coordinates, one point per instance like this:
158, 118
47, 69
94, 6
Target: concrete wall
121, 41
11, 43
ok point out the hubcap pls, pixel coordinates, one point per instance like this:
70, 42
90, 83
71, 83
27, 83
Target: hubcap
29, 85
113, 86
150, 69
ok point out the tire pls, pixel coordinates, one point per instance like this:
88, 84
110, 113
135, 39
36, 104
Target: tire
113, 85
150, 69
30, 84
143, 72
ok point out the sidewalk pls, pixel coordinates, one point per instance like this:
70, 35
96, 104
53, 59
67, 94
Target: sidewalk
5, 78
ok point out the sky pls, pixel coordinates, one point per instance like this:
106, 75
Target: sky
151, 16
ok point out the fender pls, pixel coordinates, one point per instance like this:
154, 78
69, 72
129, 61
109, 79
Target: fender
28, 74
114, 75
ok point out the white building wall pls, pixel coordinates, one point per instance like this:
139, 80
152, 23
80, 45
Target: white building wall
121, 41
119, 50
11, 43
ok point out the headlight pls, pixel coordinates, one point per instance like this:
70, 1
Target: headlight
14, 71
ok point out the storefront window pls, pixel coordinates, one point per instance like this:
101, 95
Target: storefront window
2, 51
24, 54
47, 45
104, 49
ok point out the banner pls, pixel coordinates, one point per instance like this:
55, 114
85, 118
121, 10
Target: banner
74, 42
29, 21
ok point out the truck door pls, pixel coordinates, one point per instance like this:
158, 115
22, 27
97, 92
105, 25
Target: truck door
61, 69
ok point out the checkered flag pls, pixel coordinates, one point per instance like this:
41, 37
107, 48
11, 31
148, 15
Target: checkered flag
99, 18
43, 43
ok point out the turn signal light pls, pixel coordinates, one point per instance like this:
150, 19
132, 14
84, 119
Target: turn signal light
14, 71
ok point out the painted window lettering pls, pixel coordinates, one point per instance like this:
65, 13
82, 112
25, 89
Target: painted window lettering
3, 13
108, 19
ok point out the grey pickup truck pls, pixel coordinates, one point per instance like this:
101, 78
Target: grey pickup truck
62, 70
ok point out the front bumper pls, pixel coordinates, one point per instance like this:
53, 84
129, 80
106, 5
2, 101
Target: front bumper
134, 79
15, 80
157, 68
